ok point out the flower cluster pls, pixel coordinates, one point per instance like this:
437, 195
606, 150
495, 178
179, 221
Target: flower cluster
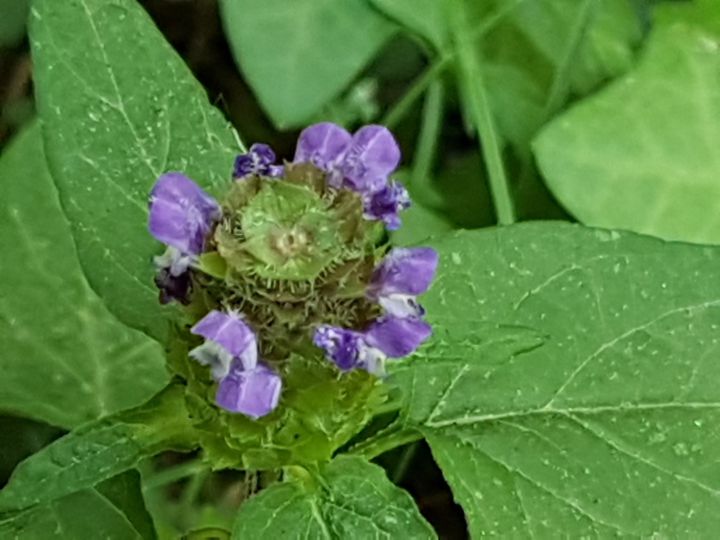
288, 258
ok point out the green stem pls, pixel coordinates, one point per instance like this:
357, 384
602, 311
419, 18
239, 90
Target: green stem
173, 474
429, 136
404, 463
397, 434
560, 87
438, 66
417, 88
473, 86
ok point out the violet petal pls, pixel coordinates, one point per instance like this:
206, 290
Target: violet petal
404, 271
398, 337
372, 156
181, 213
323, 145
254, 393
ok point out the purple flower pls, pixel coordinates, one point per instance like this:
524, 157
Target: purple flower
388, 337
258, 161
252, 392
181, 213
230, 349
227, 337
386, 204
400, 277
361, 162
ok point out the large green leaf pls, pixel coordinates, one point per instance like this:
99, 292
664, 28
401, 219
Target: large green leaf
64, 358
100, 450
300, 55
119, 108
642, 154
350, 498
571, 387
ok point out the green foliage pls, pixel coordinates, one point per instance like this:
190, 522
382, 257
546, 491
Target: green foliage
100, 450
65, 359
85, 514
642, 154
116, 113
299, 57
348, 498
320, 410
570, 384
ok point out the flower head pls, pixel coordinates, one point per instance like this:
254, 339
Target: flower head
259, 160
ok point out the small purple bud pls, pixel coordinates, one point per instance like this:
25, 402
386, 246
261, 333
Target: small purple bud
398, 337
324, 145
259, 161
372, 156
386, 204
173, 276
181, 213
254, 392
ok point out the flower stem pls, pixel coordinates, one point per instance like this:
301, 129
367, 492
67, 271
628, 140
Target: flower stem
475, 94
396, 434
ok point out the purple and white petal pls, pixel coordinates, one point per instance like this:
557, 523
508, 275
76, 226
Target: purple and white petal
324, 145
386, 204
214, 356
259, 160
181, 213
407, 271
373, 155
344, 347
397, 337
254, 393
230, 332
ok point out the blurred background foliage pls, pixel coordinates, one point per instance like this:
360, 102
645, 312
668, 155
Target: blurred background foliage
602, 111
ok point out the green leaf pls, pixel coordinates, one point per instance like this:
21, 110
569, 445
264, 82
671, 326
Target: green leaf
116, 113
350, 498
85, 514
570, 388
100, 450
642, 154
65, 359
12, 22
423, 17
612, 30
299, 56
125, 492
